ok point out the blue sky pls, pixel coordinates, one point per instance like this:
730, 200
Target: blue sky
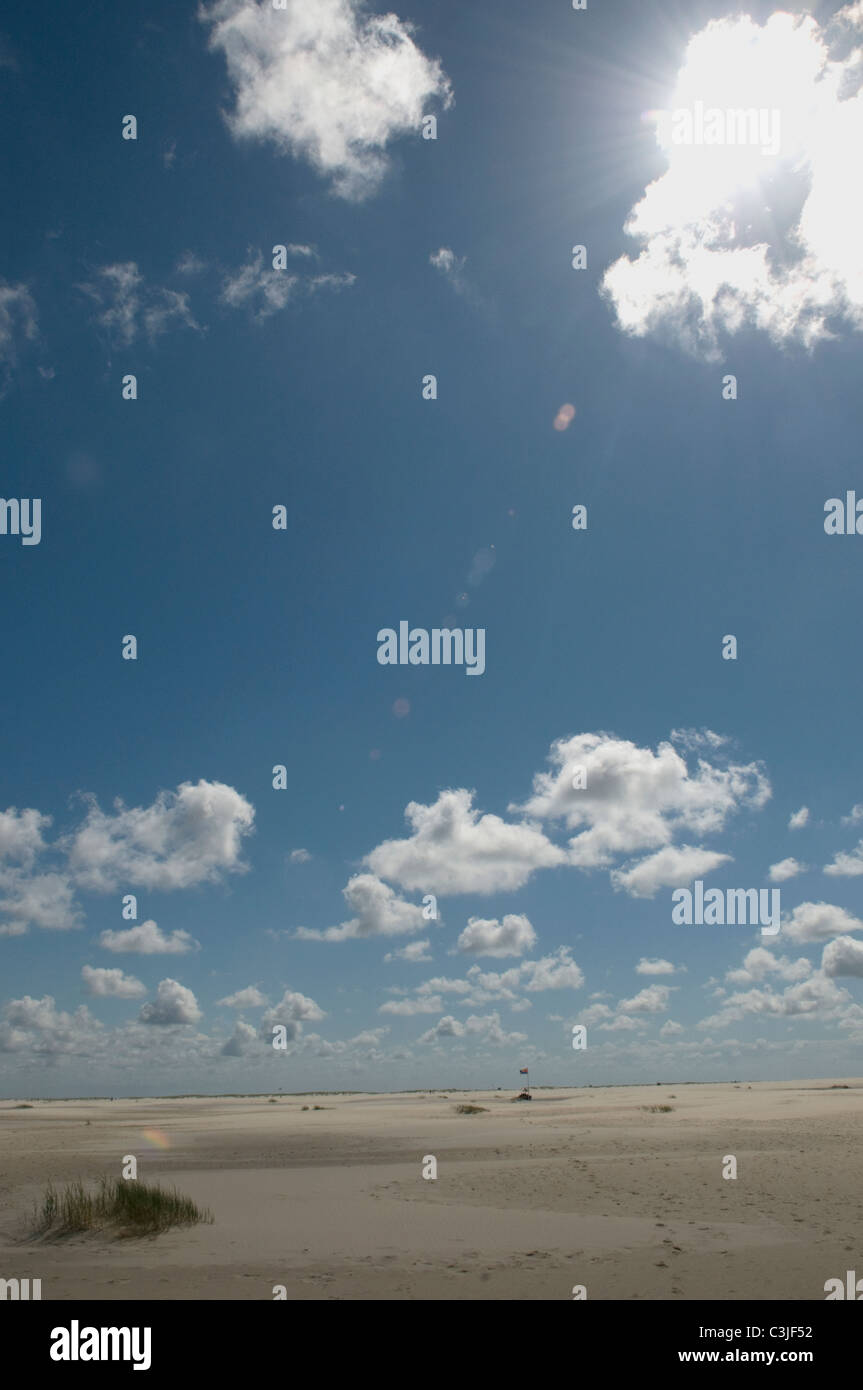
257, 647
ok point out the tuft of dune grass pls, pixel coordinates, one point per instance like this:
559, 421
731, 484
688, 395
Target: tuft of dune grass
470, 1109
132, 1208
657, 1109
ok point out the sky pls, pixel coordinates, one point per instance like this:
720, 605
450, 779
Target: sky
255, 461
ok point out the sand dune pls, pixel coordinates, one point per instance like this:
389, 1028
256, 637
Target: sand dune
579, 1187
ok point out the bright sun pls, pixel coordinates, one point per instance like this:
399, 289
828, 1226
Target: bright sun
737, 109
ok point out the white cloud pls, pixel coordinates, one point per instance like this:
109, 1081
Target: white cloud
111, 984
635, 799
847, 865
622, 1024
37, 1026
799, 818
148, 939
187, 837
673, 866
695, 739
190, 264
854, 817
711, 263
18, 320
818, 922
21, 834
406, 1008
595, 1013
511, 937
670, 1029
174, 1003
844, 956
415, 951
785, 869
326, 82
556, 971
299, 856
243, 1038
129, 307
291, 1012
451, 268
39, 900
248, 998
453, 849
378, 911
654, 967
27, 898
267, 291
652, 1000
817, 996
760, 962
487, 1028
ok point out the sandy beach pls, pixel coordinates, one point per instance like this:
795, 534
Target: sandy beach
578, 1187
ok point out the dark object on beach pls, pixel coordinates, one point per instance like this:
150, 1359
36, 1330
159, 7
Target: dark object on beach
523, 1095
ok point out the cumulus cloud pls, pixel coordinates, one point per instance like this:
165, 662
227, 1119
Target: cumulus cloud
39, 1027
670, 1029
28, 898
241, 1040
818, 922
785, 869
148, 939
291, 1012
511, 937
555, 971
854, 816
21, 836
299, 856
406, 1008
40, 900
635, 799
799, 818
654, 967
326, 82
378, 911
815, 996
454, 849
265, 291
628, 798
759, 963
622, 1023
847, 865
652, 1000
111, 984
190, 836
713, 259
674, 866
486, 1028
248, 998
415, 951
127, 306
174, 1003
844, 956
